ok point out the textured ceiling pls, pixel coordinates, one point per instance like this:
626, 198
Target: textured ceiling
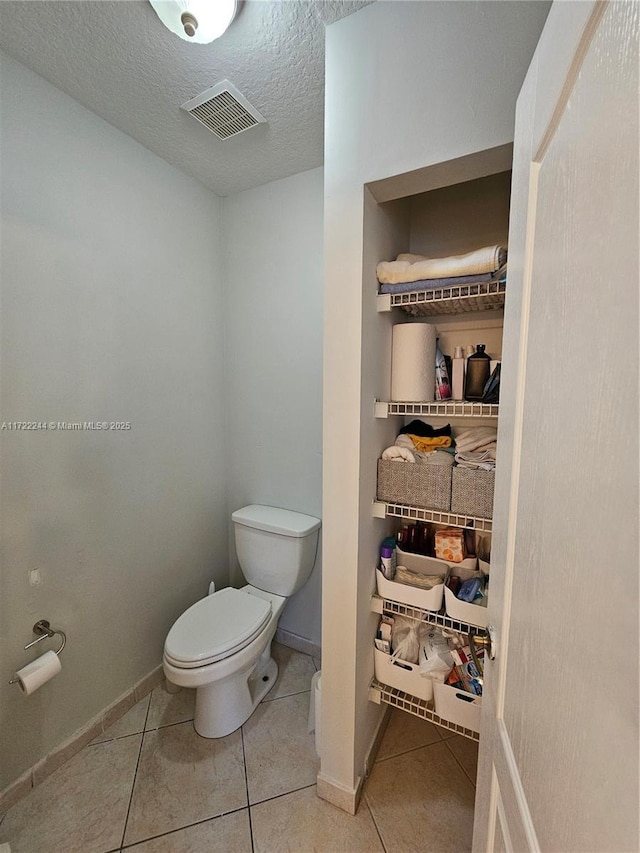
117, 59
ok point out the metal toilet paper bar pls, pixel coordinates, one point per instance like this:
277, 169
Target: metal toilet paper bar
44, 630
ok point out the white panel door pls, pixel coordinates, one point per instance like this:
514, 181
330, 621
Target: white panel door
558, 764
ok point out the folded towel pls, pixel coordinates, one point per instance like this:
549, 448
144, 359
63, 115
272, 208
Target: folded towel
488, 465
425, 445
409, 268
441, 456
476, 438
438, 457
398, 454
435, 283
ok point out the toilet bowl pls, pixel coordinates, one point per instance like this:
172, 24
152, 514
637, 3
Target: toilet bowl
221, 645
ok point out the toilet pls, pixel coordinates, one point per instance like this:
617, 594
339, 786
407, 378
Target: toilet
221, 645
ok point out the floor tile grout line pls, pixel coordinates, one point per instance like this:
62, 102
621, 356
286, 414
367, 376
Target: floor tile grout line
246, 786
179, 829
284, 794
460, 765
286, 695
135, 774
407, 751
375, 823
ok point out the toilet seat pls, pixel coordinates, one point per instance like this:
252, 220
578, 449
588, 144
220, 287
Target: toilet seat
216, 627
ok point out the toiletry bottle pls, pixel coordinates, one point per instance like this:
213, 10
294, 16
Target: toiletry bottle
443, 389
477, 374
388, 557
457, 380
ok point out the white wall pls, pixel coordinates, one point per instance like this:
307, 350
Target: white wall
273, 307
111, 310
407, 85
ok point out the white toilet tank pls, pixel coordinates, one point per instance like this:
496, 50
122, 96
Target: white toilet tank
276, 547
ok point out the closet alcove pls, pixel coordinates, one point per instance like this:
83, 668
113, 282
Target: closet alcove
445, 209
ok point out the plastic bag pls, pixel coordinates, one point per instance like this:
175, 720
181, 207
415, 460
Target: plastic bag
406, 638
435, 658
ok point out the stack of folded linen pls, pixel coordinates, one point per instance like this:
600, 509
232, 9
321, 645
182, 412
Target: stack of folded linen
476, 448
420, 442
418, 272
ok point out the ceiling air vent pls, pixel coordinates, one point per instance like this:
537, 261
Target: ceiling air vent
223, 110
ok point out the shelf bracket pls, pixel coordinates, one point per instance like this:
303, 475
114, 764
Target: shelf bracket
383, 302
381, 409
378, 509
377, 604
375, 695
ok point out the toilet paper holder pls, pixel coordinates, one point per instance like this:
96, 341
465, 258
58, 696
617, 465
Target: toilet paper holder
44, 630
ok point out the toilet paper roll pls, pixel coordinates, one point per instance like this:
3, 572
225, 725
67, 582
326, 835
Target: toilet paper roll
38, 672
413, 362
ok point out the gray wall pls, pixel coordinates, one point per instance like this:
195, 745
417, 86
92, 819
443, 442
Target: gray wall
273, 250
111, 310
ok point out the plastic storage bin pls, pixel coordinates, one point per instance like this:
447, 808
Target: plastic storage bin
464, 611
427, 599
402, 675
457, 706
472, 492
427, 486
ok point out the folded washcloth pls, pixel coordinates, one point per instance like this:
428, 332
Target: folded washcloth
398, 454
476, 438
409, 267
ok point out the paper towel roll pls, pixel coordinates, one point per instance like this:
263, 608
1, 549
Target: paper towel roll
413, 362
38, 672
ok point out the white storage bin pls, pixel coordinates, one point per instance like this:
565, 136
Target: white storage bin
402, 675
457, 706
428, 599
464, 611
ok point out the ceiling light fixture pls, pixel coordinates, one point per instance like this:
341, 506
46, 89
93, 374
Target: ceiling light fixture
200, 21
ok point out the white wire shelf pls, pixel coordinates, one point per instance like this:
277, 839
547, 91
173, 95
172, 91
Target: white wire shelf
388, 605
379, 692
442, 408
460, 299
414, 513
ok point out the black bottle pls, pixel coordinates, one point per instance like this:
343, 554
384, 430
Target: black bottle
478, 369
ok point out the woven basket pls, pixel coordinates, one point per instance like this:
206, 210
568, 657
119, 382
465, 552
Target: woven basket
419, 485
472, 492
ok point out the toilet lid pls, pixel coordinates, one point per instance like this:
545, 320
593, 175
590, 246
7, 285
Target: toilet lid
216, 626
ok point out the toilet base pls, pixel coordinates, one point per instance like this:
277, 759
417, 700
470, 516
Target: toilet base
222, 707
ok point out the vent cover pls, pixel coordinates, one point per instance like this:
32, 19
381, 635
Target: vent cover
223, 110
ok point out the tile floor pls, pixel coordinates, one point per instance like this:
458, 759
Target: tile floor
151, 785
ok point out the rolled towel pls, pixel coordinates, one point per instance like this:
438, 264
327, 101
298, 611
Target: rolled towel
398, 454
416, 267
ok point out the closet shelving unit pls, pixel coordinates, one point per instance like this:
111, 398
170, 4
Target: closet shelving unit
460, 299
466, 299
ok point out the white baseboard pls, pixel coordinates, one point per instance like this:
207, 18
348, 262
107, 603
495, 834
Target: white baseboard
339, 795
300, 644
79, 739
